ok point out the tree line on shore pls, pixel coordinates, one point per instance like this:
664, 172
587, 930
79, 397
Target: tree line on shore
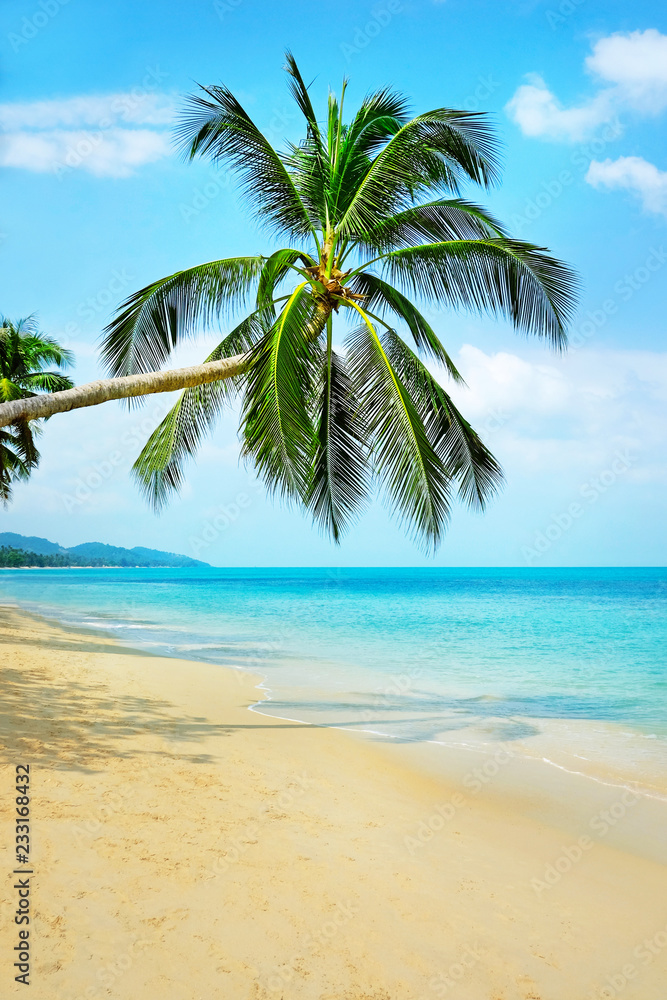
11, 558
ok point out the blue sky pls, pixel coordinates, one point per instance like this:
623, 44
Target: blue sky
95, 205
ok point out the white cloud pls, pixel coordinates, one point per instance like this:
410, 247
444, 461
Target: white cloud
637, 64
108, 136
538, 112
140, 108
634, 174
634, 68
570, 414
114, 153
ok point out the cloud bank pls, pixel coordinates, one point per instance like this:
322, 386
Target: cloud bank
105, 135
634, 174
632, 73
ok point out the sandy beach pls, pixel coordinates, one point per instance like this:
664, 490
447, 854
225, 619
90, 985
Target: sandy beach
185, 848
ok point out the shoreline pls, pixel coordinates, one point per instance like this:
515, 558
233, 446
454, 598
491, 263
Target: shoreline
533, 786
182, 850
560, 738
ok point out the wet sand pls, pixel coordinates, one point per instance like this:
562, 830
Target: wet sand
185, 848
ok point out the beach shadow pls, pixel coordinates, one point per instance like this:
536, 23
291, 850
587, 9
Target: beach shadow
74, 726
72, 645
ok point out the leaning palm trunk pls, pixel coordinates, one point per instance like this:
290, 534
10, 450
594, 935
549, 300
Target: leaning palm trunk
103, 390
372, 218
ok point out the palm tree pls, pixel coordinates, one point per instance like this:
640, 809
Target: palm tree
372, 214
24, 354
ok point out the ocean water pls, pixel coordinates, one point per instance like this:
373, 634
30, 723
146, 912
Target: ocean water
459, 656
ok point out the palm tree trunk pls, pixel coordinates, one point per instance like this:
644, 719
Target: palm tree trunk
93, 393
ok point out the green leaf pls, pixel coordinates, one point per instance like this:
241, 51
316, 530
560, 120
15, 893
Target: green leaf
24, 352
339, 485
435, 221
151, 322
159, 467
299, 92
403, 457
380, 295
458, 446
276, 424
218, 127
10, 390
516, 280
380, 117
276, 268
432, 152
18, 457
47, 382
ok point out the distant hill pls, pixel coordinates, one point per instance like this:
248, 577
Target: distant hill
97, 552
31, 543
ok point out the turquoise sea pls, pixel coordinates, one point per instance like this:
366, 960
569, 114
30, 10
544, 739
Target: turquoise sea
447, 655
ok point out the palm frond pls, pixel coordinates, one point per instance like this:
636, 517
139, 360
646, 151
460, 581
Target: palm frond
24, 352
403, 457
379, 295
320, 426
308, 162
41, 350
159, 467
380, 117
9, 391
151, 322
47, 382
516, 280
434, 221
276, 424
18, 457
432, 152
23, 349
275, 268
25, 327
216, 125
339, 484
299, 92
459, 447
